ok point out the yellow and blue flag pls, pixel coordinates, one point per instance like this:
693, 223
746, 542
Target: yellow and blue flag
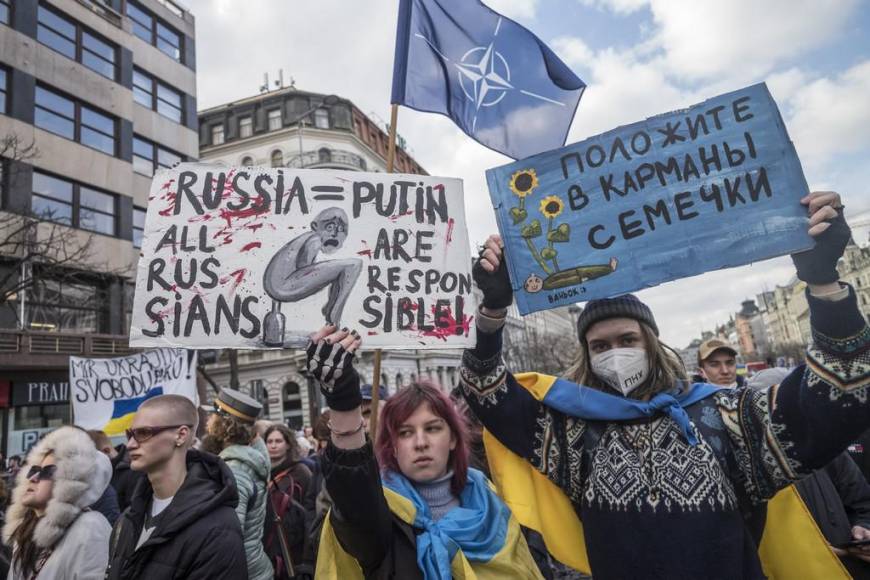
124, 410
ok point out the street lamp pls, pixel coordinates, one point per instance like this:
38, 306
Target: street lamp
329, 100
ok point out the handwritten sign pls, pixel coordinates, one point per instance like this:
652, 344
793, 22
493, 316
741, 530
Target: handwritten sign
712, 186
106, 392
260, 258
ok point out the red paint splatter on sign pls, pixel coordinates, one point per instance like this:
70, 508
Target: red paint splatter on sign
251, 246
367, 252
449, 325
450, 223
236, 276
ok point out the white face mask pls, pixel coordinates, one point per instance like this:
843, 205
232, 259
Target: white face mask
624, 369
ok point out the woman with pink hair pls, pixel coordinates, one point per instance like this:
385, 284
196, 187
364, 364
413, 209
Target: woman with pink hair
418, 511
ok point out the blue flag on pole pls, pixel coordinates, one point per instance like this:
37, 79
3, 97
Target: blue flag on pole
495, 79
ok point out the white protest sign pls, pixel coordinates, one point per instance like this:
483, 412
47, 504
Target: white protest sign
260, 258
106, 392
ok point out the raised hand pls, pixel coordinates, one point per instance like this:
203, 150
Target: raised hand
828, 226
330, 355
491, 275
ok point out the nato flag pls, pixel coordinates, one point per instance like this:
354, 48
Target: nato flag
495, 79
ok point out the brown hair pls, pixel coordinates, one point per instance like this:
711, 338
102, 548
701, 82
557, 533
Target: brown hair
26, 553
293, 452
100, 439
227, 430
178, 410
666, 367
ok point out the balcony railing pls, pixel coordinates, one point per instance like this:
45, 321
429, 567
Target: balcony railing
54, 343
328, 158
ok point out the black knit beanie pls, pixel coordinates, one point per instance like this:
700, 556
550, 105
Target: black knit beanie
625, 306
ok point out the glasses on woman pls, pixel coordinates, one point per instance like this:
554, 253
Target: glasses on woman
42, 473
143, 434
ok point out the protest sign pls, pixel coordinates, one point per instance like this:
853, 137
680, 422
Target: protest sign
106, 392
258, 258
712, 186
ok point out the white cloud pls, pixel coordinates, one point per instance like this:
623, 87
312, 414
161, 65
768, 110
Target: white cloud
708, 38
830, 115
618, 6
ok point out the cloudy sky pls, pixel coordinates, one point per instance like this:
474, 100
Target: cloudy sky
638, 57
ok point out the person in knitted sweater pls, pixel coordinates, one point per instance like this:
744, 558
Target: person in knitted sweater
663, 474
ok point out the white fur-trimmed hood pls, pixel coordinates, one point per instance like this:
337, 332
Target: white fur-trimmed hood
81, 478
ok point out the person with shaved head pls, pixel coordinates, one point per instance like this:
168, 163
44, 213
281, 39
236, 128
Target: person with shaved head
182, 521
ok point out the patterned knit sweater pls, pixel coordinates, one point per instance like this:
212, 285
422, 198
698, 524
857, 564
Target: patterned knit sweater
653, 506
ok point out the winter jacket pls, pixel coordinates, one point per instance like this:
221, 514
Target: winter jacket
251, 467
198, 535
77, 538
640, 483
124, 479
838, 497
108, 505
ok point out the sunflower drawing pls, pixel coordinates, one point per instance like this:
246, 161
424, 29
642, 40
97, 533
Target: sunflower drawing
523, 184
552, 206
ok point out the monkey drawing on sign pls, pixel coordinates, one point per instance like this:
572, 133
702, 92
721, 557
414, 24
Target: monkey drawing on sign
293, 273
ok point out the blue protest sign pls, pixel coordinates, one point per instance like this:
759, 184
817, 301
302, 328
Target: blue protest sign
713, 186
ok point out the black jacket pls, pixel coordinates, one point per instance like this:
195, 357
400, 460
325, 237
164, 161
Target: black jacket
124, 479
384, 545
838, 497
198, 537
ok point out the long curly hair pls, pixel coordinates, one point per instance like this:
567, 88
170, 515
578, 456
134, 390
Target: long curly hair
226, 430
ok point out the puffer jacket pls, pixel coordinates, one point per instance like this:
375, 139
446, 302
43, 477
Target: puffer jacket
251, 467
77, 538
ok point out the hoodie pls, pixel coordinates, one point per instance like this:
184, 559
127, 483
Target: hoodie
251, 467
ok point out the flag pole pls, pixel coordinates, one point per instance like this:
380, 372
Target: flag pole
376, 379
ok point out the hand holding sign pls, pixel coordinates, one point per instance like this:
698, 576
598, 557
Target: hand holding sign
330, 355
491, 275
828, 226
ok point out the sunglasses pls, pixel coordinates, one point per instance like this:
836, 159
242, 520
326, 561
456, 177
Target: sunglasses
142, 434
41, 473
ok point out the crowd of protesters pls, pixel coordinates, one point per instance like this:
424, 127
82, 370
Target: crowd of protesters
617, 467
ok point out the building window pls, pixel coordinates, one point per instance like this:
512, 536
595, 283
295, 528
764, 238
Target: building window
75, 205
246, 127
56, 32
52, 198
3, 90
324, 155
97, 130
4, 11
169, 102
151, 93
321, 119
148, 157
169, 41
65, 303
72, 40
96, 211
277, 158
274, 119
143, 89
341, 117
247, 161
98, 55
217, 134
138, 226
155, 32
143, 156
73, 120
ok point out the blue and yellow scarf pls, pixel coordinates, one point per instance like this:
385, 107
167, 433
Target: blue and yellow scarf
792, 545
479, 540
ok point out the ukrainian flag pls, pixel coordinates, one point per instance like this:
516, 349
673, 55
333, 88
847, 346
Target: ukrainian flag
122, 414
